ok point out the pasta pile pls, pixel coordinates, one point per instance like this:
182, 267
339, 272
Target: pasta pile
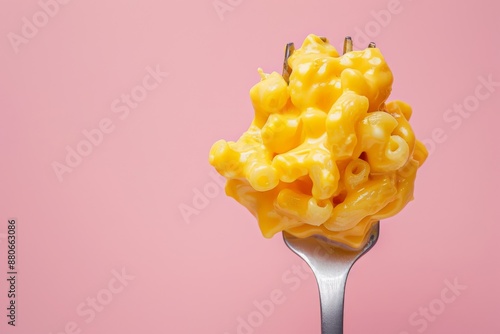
325, 154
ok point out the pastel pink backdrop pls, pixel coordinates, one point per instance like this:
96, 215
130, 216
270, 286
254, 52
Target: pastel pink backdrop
119, 208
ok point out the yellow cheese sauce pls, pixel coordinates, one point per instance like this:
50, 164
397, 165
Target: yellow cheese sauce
325, 153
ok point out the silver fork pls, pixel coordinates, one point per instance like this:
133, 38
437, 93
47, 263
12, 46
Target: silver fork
329, 261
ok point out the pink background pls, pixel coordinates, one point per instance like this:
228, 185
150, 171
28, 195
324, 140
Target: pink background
119, 209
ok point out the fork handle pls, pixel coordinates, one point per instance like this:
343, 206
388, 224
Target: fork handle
331, 270
331, 293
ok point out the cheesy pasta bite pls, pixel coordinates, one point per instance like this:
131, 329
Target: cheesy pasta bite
325, 154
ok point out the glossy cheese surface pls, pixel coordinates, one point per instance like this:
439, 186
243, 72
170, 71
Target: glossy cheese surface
325, 153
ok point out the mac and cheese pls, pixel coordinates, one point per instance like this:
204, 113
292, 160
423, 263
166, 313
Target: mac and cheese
325, 154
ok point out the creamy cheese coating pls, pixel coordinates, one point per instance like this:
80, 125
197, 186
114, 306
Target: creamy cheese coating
325, 153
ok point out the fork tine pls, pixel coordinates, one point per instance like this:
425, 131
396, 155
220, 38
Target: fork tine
347, 44
286, 68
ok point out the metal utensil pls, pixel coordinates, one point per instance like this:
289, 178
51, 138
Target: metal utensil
329, 261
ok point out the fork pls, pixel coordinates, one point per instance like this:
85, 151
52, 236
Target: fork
330, 261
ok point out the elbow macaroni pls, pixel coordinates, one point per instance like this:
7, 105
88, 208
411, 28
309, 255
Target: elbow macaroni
325, 154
